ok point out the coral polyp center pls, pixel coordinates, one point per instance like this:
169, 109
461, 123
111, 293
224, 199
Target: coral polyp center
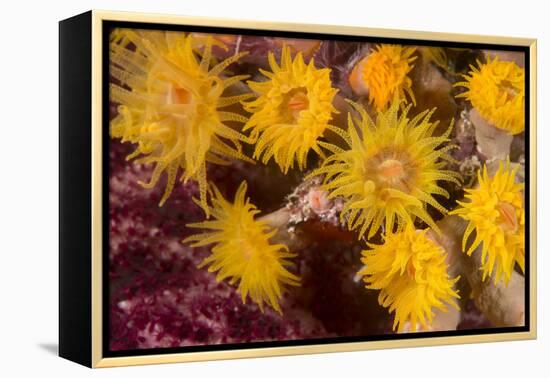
391, 169
295, 101
178, 95
508, 90
508, 219
389, 172
170, 101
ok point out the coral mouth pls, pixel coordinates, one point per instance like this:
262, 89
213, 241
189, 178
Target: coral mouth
508, 220
296, 101
178, 95
508, 89
391, 170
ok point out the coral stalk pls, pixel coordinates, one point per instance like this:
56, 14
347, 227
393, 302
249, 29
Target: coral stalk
503, 304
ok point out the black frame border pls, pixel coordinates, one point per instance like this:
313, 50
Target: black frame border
75, 188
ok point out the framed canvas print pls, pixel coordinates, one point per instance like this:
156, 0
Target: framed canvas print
235, 189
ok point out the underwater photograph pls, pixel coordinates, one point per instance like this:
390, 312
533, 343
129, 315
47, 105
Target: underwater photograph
266, 188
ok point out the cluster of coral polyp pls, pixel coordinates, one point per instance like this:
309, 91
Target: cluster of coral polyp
275, 189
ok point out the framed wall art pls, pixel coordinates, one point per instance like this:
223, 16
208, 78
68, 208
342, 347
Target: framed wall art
235, 189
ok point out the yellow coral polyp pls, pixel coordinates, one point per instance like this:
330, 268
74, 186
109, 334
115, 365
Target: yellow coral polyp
384, 74
495, 212
170, 106
389, 171
410, 271
292, 112
242, 250
496, 90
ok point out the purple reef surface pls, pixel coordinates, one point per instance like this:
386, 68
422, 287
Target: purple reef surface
160, 298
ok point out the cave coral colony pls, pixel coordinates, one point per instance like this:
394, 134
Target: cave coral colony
366, 137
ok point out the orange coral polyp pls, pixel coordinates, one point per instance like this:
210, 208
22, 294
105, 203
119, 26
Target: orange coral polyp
172, 110
411, 273
495, 214
242, 251
292, 111
383, 75
389, 171
496, 90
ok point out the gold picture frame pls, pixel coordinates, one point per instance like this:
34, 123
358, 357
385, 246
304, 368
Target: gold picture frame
82, 275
